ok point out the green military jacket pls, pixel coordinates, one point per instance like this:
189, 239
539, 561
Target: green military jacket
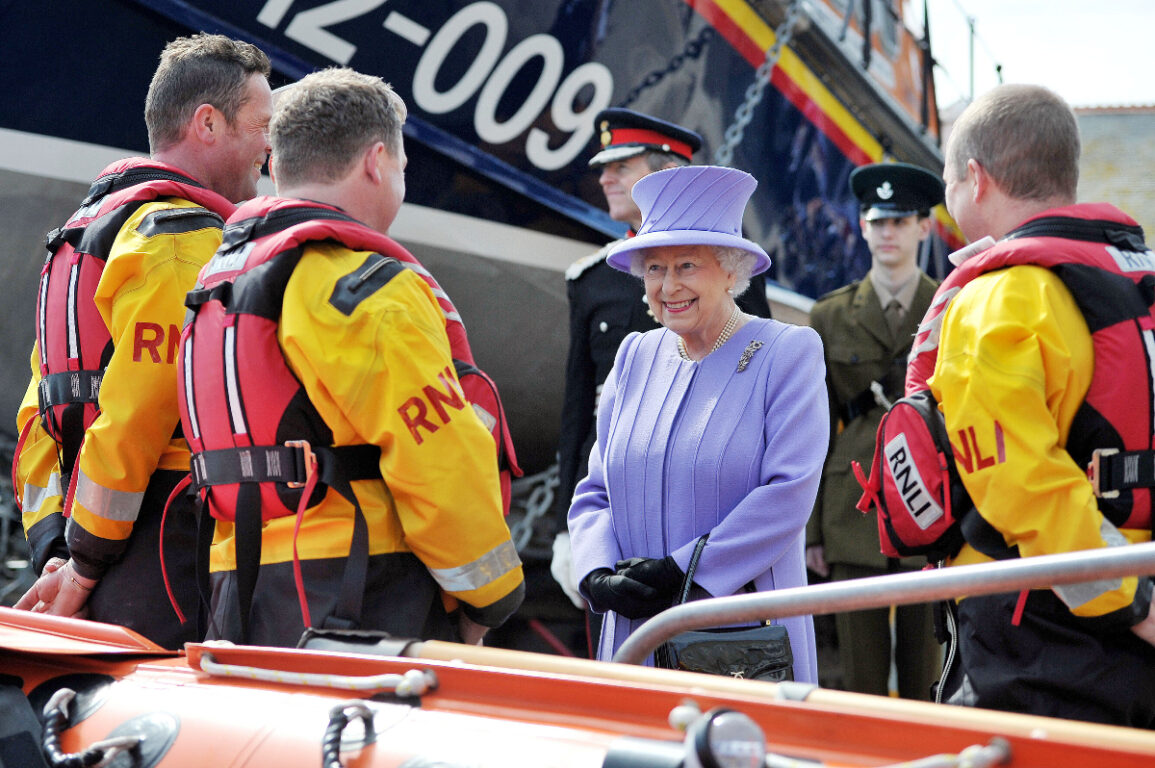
859, 349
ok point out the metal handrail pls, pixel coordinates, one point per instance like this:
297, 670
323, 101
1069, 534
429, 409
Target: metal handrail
892, 589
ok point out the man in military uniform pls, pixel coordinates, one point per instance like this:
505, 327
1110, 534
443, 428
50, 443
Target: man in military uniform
606, 305
866, 329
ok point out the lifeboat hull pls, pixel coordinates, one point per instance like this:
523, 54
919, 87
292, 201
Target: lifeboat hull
248, 706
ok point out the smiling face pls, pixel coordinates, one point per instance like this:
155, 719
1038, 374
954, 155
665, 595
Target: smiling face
689, 293
245, 143
617, 180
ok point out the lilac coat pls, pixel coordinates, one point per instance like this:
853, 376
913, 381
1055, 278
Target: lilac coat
685, 448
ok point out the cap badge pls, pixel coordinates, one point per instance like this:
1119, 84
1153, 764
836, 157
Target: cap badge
606, 137
885, 192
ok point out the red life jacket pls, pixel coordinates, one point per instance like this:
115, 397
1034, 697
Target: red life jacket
1099, 254
75, 345
266, 227
257, 441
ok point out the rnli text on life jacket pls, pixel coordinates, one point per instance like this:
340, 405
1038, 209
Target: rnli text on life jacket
415, 412
920, 505
149, 337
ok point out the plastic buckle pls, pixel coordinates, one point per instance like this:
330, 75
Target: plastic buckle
1095, 472
310, 460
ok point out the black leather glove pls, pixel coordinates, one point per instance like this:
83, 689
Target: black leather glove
609, 591
663, 574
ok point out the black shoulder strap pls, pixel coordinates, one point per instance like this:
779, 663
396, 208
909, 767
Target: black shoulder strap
272, 222
176, 221
1124, 236
130, 177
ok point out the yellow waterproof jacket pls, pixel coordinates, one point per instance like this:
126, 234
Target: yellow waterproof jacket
1015, 362
381, 373
153, 262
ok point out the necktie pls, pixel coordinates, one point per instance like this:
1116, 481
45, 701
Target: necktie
894, 314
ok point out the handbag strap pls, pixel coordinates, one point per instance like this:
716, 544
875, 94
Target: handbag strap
692, 567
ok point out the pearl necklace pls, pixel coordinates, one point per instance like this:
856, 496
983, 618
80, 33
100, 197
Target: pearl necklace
723, 337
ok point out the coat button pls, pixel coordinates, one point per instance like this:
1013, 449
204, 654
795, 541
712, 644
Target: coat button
603, 326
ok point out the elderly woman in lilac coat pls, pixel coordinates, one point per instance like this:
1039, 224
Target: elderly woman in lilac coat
715, 424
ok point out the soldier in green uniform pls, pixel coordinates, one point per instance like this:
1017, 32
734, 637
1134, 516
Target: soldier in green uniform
867, 328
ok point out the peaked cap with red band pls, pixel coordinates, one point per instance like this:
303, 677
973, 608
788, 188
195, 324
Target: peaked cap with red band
624, 133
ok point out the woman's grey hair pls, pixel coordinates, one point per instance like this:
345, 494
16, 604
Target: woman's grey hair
737, 261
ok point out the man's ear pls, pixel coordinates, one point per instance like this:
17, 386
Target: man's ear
272, 170
206, 122
981, 181
371, 161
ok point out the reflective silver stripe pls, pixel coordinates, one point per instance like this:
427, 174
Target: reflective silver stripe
419, 269
483, 571
43, 319
107, 503
1075, 595
73, 333
189, 400
35, 496
232, 390
1149, 342
438, 292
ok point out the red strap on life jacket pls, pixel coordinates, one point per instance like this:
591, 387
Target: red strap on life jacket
1020, 604
298, 577
179, 489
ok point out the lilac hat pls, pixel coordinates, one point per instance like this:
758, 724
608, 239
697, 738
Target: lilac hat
691, 205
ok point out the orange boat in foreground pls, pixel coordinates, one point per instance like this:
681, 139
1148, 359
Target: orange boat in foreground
106, 696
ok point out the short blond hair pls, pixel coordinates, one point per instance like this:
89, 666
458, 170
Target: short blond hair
323, 122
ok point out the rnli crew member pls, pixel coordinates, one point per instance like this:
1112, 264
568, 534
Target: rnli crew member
92, 514
1038, 368
605, 304
366, 339
866, 329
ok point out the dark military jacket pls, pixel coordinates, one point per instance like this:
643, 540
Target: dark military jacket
605, 305
859, 349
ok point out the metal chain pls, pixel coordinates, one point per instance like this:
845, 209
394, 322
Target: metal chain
745, 112
692, 50
538, 492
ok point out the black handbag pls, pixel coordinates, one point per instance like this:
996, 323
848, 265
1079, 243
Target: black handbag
755, 653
